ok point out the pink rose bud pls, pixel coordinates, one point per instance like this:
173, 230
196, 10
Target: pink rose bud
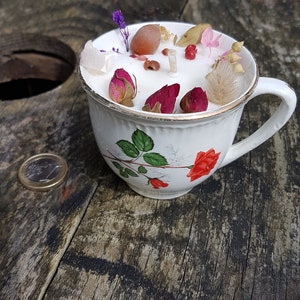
163, 100
194, 101
121, 88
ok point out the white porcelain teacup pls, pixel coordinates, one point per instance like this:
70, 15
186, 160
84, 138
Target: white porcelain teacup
164, 156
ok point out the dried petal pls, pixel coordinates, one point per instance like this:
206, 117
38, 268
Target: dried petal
121, 88
193, 35
165, 34
165, 97
139, 57
208, 40
175, 39
194, 100
155, 109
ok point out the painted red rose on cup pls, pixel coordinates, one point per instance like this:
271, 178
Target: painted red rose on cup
204, 163
157, 183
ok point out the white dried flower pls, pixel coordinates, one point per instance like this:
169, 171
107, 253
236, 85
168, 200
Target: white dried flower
221, 84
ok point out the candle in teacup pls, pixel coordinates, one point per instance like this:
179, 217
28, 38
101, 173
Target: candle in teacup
165, 120
176, 58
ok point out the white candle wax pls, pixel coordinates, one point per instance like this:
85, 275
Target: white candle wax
189, 73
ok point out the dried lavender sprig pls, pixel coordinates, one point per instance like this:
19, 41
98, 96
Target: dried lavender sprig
118, 19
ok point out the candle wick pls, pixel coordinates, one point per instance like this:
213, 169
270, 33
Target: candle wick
172, 62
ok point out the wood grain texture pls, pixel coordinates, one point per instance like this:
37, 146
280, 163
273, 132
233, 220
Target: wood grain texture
236, 236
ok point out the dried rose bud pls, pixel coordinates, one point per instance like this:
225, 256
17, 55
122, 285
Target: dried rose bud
163, 100
121, 88
194, 101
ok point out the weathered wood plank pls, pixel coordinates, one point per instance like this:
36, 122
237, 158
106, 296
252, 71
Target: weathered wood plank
36, 227
234, 237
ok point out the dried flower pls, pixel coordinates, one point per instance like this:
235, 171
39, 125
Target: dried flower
96, 61
232, 56
193, 35
121, 88
165, 34
221, 84
163, 100
208, 40
237, 46
194, 101
118, 19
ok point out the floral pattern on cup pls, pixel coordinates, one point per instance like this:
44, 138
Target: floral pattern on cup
142, 158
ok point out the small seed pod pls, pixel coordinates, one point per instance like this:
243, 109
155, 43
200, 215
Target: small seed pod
151, 65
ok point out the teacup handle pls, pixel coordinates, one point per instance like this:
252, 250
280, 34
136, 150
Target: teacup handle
273, 124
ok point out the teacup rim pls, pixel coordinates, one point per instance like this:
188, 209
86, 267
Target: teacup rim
234, 104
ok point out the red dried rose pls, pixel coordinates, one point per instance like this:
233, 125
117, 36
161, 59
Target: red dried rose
204, 163
157, 183
194, 101
163, 100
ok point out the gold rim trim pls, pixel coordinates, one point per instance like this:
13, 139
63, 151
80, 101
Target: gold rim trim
43, 172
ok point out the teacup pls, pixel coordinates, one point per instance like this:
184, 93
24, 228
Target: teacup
164, 156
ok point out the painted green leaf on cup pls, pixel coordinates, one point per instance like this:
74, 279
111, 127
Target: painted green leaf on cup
128, 148
155, 159
131, 173
117, 165
123, 173
142, 141
142, 170
126, 173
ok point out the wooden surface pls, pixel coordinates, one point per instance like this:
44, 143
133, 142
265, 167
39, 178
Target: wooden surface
236, 236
